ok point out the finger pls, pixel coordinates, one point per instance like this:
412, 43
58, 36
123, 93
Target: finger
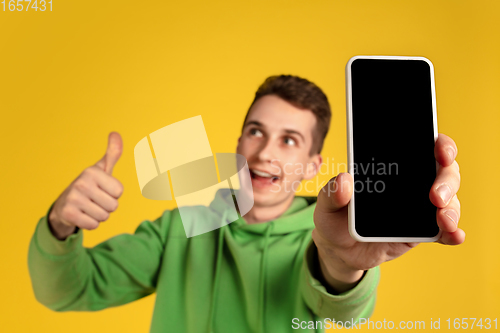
448, 217
113, 153
94, 211
74, 216
99, 196
106, 182
82, 203
445, 186
452, 238
336, 194
445, 150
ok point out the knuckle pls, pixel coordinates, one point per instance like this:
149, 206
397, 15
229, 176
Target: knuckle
114, 205
104, 216
81, 185
72, 198
455, 163
92, 226
119, 188
458, 177
88, 172
68, 214
91, 172
93, 169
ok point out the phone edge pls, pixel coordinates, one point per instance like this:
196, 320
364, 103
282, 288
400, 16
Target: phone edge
350, 152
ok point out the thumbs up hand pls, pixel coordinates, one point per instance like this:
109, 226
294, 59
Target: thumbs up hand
91, 197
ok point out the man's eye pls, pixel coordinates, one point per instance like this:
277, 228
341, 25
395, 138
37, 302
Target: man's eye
256, 132
289, 141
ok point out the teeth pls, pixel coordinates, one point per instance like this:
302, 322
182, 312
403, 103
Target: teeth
261, 173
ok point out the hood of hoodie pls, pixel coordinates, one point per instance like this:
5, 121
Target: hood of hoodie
297, 217
289, 221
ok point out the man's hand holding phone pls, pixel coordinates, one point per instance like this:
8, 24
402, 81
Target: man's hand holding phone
342, 259
91, 197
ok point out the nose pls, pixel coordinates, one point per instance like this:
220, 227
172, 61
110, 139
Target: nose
267, 152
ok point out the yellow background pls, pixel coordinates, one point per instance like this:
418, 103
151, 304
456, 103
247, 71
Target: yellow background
70, 76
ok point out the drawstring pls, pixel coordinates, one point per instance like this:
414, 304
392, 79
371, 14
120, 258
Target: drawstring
215, 289
302, 249
262, 276
263, 268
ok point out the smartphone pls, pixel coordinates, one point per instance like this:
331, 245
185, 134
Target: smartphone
391, 134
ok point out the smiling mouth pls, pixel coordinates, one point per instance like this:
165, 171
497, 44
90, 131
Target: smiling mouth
263, 176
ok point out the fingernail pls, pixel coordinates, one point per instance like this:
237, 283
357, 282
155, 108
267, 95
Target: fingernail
444, 191
451, 152
452, 215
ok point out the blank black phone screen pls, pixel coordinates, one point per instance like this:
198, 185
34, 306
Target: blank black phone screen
393, 146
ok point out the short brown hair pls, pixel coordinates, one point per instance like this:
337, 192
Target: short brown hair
302, 94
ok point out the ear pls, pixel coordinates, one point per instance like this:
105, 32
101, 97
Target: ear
313, 166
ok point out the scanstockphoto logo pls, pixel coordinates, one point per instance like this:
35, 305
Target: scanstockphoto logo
177, 163
369, 175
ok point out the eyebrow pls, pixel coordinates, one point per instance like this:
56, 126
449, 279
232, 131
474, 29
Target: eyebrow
289, 131
254, 122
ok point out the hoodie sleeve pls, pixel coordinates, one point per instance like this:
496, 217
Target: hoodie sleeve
69, 277
353, 304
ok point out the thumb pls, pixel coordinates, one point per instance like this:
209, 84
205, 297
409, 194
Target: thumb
113, 153
336, 194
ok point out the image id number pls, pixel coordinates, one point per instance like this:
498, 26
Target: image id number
25, 5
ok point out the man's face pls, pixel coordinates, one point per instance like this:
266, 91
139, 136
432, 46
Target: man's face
276, 141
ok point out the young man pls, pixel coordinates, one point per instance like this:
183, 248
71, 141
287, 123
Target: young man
264, 272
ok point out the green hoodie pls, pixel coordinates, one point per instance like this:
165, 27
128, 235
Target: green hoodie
238, 278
